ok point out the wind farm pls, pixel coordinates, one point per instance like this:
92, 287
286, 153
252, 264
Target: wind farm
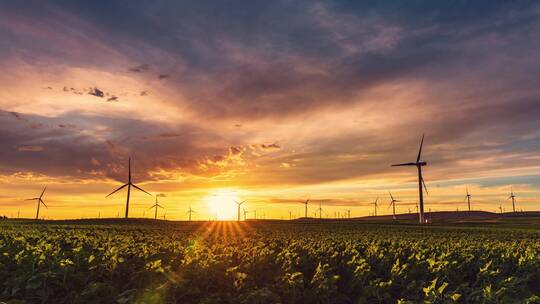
269, 152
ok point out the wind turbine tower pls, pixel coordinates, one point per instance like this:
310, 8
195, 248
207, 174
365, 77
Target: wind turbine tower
468, 199
156, 206
393, 205
513, 197
375, 205
190, 212
320, 210
305, 207
239, 204
129, 184
40, 201
419, 164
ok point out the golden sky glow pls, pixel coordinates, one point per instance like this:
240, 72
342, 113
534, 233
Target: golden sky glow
272, 108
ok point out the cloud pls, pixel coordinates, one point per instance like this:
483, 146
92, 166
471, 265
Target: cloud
140, 68
273, 146
96, 92
30, 149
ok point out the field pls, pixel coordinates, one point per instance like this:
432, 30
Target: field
110, 261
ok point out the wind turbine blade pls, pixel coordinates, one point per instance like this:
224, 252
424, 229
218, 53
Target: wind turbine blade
31, 199
424, 183
404, 164
43, 191
120, 188
160, 206
420, 150
391, 197
136, 187
43, 203
151, 207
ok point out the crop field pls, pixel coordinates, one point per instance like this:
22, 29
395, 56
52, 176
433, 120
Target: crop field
274, 262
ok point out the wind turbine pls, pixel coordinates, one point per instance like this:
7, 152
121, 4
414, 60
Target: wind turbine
393, 204
348, 213
375, 205
500, 208
419, 164
513, 197
129, 184
190, 211
239, 205
156, 206
245, 213
320, 210
39, 202
468, 199
305, 206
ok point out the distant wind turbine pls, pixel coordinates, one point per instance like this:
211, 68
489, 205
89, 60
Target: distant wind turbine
500, 208
129, 184
305, 207
156, 206
320, 210
245, 213
513, 197
239, 204
375, 205
468, 199
393, 205
39, 202
348, 213
190, 211
419, 164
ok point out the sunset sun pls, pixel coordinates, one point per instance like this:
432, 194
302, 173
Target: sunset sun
221, 204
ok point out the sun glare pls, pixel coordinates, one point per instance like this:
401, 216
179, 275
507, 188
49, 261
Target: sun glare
221, 204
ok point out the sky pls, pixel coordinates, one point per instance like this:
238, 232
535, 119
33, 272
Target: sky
272, 102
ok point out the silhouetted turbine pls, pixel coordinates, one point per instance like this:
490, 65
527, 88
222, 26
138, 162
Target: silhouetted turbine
239, 204
393, 205
129, 184
190, 211
468, 199
375, 205
156, 206
305, 207
39, 202
320, 210
419, 164
513, 197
